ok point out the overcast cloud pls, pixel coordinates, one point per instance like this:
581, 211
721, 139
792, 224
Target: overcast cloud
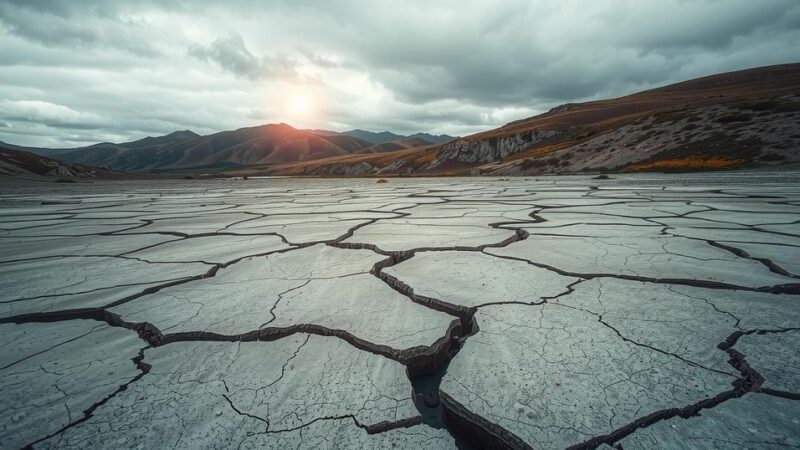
83, 71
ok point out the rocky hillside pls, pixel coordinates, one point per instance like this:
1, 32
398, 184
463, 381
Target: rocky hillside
743, 134
741, 119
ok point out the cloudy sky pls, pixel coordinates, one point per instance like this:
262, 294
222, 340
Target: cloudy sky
83, 71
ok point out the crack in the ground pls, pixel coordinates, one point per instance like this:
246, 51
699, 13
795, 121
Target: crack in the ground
143, 368
789, 288
749, 381
768, 263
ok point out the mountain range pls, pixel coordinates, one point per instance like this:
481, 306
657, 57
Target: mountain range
246, 147
740, 119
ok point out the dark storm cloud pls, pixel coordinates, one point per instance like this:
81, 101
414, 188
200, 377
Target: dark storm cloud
84, 71
582, 49
73, 24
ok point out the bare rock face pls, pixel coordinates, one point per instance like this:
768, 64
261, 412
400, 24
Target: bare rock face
396, 166
348, 169
490, 149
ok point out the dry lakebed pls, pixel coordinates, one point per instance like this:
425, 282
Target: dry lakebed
634, 312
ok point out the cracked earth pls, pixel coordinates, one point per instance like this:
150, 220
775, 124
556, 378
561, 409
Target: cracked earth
560, 312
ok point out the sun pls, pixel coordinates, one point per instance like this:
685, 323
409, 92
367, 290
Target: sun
299, 105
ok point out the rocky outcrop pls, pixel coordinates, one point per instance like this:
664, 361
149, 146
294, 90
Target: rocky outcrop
489, 149
397, 167
64, 170
562, 108
361, 168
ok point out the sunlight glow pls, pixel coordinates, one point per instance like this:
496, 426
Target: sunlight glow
299, 105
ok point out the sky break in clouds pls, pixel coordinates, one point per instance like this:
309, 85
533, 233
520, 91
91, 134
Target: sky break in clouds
79, 72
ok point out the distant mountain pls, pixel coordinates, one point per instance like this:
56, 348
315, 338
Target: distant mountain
742, 119
176, 136
433, 138
323, 132
21, 164
373, 137
387, 136
348, 143
399, 144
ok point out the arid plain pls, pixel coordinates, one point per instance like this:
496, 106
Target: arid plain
636, 311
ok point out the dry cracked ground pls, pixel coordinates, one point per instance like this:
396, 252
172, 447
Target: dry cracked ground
556, 312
